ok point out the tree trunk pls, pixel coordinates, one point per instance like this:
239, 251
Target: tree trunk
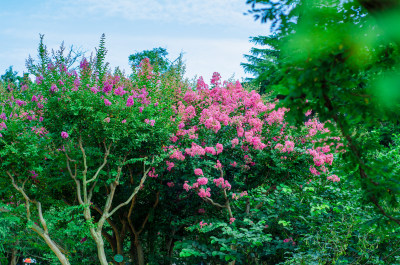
101, 254
137, 253
14, 257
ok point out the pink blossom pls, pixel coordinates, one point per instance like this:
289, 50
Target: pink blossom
130, 101
177, 154
170, 184
220, 182
314, 171
123, 121
202, 181
94, 89
220, 148
210, 150
234, 142
152, 173
64, 135
231, 220
234, 164
204, 193
186, 186
198, 172
53, 88
20, 102
215, 80
218, 165
170, 165
107, 102
289, 146
334, 178
202, 224
107, 120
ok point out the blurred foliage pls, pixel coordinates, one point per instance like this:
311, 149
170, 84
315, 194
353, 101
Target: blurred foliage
340, 59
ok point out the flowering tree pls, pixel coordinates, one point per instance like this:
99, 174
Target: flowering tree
81, 132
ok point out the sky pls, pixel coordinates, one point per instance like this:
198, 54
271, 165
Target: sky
213, 35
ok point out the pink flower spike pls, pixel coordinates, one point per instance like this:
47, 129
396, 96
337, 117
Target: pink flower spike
64, 135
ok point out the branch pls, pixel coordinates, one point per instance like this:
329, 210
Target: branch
148, 214
42, 221
213, 203
73, 176
21, 190
135, 191
102, 165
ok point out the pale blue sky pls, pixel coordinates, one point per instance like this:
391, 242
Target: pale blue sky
213, 34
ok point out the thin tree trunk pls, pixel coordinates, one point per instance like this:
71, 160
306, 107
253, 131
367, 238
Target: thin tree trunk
139, 253
14, 257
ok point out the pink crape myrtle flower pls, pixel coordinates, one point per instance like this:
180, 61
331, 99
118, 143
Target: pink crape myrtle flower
210, 150
64, 135
204, 193
218, 165
202, 181
186, 186
231, 220
202, 224
198, 172
234, 142
152, 173
3, 126
150, 122
177, 154
107, 102
130, 101
170, 165
170, 184
334, 178
220, 182
220, 148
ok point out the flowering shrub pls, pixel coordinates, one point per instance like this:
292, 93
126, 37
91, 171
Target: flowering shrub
239, 143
